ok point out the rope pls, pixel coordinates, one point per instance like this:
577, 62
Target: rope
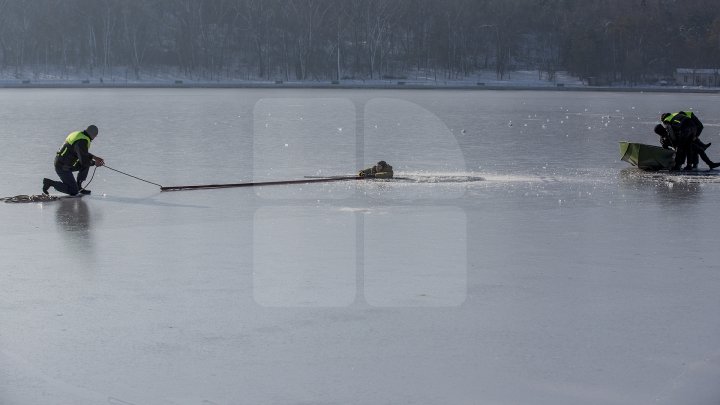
91, 179
23, 198
130, 175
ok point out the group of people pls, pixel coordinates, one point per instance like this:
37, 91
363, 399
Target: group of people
74, 156
681, 131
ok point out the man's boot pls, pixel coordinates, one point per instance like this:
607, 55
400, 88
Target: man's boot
46, 186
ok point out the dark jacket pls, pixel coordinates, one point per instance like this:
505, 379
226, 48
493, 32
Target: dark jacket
683, 127
73, 154
695, 122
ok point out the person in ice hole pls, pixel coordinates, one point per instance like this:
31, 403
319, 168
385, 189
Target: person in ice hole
381, 170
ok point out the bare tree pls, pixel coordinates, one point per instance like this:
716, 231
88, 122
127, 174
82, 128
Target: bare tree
609, 40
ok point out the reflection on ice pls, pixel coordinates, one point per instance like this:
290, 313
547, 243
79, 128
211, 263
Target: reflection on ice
72, 214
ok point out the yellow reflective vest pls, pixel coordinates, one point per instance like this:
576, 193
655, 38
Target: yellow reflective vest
73, 154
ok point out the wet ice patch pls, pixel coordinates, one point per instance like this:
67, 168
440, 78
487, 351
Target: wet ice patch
438, 177
696, 176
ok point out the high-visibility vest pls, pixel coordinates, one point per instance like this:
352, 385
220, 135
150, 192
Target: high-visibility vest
69, 142
673, 118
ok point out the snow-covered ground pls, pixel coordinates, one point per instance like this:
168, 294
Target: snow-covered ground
488, 80
123, 78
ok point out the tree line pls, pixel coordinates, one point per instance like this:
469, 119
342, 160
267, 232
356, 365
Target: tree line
629, 41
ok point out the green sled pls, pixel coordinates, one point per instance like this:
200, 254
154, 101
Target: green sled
647, 157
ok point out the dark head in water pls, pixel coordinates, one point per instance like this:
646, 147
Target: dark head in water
381, 170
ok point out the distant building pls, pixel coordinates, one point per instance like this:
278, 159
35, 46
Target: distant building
697, 77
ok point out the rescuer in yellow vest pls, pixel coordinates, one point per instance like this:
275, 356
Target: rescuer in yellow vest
74, 156
682, 131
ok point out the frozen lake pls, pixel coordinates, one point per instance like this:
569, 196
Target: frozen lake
520, 262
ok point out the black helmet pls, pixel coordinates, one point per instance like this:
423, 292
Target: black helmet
382, 163
92, 130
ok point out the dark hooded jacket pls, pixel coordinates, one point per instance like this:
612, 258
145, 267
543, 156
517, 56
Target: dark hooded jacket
73, 154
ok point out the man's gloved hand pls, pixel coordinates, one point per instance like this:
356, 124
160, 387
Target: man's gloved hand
99, 161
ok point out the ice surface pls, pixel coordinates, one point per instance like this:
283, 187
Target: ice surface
517, 264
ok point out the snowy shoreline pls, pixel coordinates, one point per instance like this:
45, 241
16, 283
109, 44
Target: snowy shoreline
516, 80
379, 85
